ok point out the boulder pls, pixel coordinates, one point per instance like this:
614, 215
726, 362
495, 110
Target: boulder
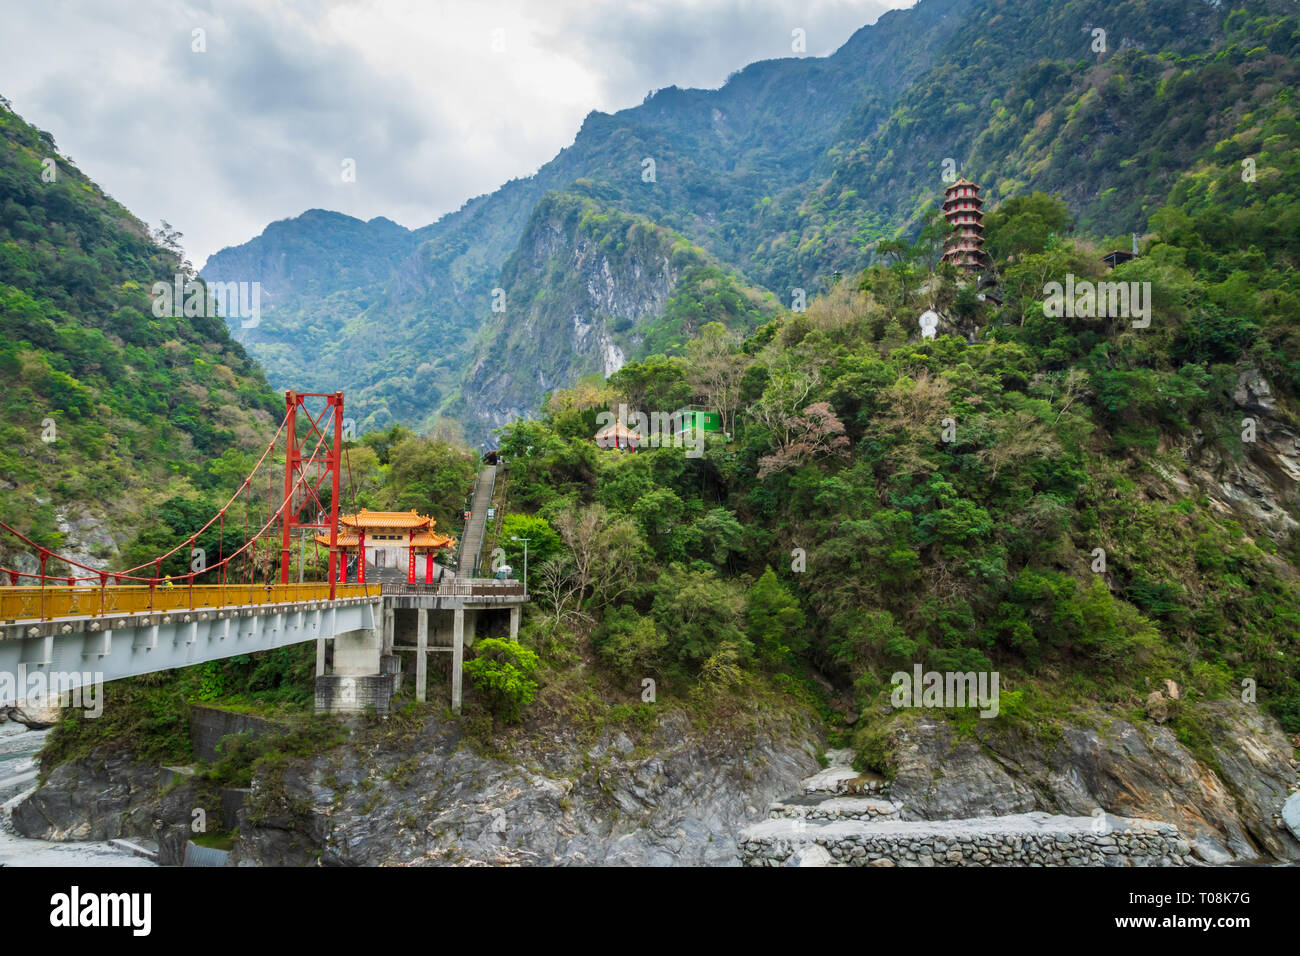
1158, 707
810, 855
34, 715
1291, 814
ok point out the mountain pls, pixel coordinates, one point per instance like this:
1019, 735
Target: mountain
594, 286
108, 408
788, 175
716, 153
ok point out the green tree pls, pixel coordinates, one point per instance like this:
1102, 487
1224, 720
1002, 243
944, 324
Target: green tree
700, 612
775, 620
1025, 224
431, 477
630, 643
504, 670
543, 543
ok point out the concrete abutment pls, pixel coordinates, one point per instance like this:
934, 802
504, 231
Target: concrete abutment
368, 666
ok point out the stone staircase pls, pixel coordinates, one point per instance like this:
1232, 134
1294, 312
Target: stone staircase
843, 818
471, 543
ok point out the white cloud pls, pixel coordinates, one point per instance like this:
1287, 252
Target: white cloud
255, 129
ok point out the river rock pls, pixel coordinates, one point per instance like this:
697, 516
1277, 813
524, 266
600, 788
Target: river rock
92, 799
1291, 814
35, 716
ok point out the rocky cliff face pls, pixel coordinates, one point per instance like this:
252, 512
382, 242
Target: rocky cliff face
679, 797
576, 295
1230, 812
1263, 485
682, 796
93, 799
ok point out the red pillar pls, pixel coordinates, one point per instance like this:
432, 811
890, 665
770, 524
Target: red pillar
290, 466
428, 567
335, 459
361, 556
410, 564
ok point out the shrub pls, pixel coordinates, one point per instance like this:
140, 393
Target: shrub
504, 671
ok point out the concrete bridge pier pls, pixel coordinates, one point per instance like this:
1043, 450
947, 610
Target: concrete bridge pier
421, 654
358, 681
453, 643
457, 656
421, 620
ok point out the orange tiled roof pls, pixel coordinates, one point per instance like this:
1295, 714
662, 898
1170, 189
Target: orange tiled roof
345, 540
386, 519
421, 539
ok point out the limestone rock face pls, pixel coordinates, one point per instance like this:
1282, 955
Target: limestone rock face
587, 323
1263, 485
683, 803
1291, 814
1138, 771
92, 799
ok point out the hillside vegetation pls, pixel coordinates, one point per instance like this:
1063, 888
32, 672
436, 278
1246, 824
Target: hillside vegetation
1054, 500
107, 408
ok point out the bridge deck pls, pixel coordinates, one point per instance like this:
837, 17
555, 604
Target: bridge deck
36, 603
53, 602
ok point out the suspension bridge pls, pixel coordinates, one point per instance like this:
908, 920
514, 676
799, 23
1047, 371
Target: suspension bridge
64, 624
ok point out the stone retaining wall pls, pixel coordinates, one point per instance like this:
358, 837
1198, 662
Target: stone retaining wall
994, 842
836, 808
209, 724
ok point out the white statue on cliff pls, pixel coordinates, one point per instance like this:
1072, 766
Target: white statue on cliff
929, 322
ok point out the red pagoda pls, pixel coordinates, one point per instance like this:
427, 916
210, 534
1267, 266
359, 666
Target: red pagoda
961, 207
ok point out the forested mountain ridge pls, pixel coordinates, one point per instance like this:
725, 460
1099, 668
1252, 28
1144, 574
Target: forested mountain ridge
1021, 102
108, 408
716, 153
795, 169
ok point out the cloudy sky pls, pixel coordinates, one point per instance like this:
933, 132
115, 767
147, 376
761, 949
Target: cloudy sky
435, 102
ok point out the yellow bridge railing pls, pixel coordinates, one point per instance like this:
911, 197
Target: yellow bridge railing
51, 601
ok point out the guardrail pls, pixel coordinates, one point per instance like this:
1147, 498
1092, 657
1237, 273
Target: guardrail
37, 603
462, 587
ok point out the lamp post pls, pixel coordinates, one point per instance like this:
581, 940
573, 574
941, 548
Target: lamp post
525, 541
